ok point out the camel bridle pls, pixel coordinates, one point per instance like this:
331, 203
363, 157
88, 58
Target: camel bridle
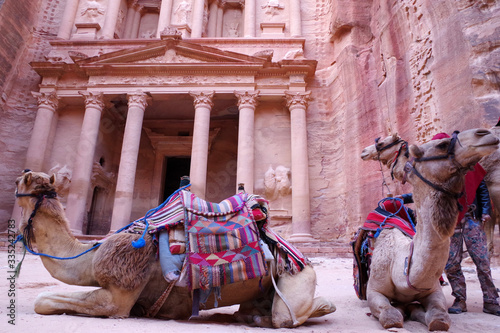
450, 154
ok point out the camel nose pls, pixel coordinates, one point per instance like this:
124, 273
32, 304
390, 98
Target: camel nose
482, 132
364, 154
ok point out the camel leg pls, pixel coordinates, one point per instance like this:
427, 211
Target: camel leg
381, 308
298, 291
112, 302
436, 312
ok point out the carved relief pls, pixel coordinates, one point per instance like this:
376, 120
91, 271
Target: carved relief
182, 12
93, 99
92, 10
424, 109
138, 99
63, 179
277, 186
170, 57
101, 178
247, 99
273, 8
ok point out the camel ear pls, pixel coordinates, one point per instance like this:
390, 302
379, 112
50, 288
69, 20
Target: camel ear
28, 178
52, 179
395, 136
416, 151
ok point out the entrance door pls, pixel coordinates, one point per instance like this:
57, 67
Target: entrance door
176, 167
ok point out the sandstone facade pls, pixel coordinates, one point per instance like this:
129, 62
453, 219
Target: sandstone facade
240, 92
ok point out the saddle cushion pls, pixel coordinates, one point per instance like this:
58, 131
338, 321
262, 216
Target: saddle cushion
223, 242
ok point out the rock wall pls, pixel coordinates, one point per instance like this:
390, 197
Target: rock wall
413, 67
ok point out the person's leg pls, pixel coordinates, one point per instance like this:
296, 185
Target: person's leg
475, 240
454, 274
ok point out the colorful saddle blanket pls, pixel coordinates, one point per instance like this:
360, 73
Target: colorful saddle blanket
390, 213
222, 238
223, 242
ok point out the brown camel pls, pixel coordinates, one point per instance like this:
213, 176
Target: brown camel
131, 280
387, 151
390, 291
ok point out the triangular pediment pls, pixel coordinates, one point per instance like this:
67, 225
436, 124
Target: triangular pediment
169, 52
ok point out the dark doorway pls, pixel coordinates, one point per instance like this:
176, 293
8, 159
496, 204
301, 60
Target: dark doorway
95, 219
175, 168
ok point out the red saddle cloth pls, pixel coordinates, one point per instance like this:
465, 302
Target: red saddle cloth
390, 213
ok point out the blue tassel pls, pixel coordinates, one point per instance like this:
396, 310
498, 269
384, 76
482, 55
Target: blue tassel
139, 243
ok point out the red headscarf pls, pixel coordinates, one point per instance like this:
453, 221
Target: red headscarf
472, 180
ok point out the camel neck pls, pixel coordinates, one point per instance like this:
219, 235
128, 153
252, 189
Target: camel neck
52, 237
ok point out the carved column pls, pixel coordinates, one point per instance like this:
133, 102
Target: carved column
165, 15
301, 225
212, 19
129, 21
197, 19
108, 31
134, 32
82, 169
249, 18
47, 108
199, 153
122, 207
247, 101
68, 19
220, 20
295, 19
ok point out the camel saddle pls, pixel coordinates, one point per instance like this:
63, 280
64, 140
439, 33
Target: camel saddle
390, 213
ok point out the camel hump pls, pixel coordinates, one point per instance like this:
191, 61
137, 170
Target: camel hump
117, 262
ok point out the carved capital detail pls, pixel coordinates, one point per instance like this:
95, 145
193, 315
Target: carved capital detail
247, 99
297, 99
95, 100
49, 100
203, 98
138, 99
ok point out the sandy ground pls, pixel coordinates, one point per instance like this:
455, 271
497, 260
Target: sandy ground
334, 282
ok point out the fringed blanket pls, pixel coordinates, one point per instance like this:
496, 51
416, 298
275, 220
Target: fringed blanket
223, 242
390, 213
222, 239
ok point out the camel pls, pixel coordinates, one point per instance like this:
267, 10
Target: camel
130, 280
390, 147
390, 292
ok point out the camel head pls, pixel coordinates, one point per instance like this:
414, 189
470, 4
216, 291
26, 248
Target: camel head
441, 159
383, 150
34, 184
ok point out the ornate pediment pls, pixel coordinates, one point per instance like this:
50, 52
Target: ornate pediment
169, 51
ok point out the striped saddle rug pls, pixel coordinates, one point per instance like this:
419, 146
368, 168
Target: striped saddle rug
222, 239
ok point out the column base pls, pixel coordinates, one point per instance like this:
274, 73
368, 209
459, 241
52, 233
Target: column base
302, 238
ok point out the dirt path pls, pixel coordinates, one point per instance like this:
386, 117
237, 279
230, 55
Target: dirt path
334, 282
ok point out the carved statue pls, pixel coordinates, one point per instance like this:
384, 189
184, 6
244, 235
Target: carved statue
92, 10
273, 7
277, 182
182, 12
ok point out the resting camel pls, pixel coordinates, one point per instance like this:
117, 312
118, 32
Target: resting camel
131, 280
391, 147
390, 291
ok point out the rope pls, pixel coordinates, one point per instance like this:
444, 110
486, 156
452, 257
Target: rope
379, 229
159, 302
140, 242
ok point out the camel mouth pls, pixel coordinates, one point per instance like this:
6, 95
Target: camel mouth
493, 142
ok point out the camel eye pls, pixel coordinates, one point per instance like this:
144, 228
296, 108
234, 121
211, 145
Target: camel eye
443, 145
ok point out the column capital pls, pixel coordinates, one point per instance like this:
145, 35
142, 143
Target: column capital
203, 98
92, 99
294, 99
138, 99
49, 100
247, 98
